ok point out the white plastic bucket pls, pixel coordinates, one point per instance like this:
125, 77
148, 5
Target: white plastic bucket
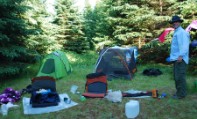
132, 109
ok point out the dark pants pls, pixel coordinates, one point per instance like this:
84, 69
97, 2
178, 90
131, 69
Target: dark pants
179, 77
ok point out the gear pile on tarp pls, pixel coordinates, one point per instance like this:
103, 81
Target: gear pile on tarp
10, 95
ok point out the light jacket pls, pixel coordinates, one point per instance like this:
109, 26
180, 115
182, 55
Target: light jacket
180, 45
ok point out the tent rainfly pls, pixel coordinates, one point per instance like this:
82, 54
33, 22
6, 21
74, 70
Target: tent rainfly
117, 62
55, 65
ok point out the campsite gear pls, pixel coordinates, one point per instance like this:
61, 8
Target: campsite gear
55, 65
67, 100
193, 43
78, 92
38, 83
163, 95
43, 82
44, 92
9, 95
110, 90
44, 100
96, 85
168, 59
132, 109
134, 93
175, 19
152, 72
73, 89
117, 62
135, 52
82, 98
192, 25
29, 110
161, 38
5, 108
28, 89
154, 93
115, 96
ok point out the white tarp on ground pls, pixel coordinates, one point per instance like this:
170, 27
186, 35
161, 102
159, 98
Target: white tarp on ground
28, 109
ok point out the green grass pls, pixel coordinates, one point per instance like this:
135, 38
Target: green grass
150, 108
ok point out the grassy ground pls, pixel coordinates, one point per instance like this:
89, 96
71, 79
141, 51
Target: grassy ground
150, 108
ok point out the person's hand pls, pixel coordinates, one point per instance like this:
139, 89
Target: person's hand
168, 59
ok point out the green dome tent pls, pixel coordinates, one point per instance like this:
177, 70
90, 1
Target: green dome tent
56, 65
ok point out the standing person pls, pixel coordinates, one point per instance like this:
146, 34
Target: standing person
179, 55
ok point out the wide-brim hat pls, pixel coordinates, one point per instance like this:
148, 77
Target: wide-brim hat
175, 19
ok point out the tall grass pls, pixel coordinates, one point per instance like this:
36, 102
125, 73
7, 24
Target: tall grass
150, 108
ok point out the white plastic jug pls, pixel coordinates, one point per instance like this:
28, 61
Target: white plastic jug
132, 109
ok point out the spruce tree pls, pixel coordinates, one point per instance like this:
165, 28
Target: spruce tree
97, 26
41, 18
71, 25
14, 54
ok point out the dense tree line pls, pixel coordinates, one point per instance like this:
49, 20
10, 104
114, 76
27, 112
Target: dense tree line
28, 30
14, 30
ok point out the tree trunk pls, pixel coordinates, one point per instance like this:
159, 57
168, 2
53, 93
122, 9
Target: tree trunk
161, 9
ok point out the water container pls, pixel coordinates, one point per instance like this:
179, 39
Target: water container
132, 109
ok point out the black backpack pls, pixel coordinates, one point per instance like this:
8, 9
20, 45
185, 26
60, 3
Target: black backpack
45, 99
152, 72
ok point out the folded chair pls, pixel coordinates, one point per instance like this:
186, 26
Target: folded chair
96, 85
